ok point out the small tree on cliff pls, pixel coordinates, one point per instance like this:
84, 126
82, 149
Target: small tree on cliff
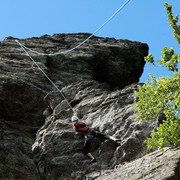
162, 95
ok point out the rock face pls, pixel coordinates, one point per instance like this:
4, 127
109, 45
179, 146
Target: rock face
98, 80
153, 166
108, 112
116, 62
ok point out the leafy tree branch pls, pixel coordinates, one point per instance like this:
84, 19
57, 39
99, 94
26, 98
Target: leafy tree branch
162, 95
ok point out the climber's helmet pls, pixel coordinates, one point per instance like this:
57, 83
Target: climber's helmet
74, 118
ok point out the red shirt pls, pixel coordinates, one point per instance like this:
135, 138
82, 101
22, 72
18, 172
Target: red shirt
81, 127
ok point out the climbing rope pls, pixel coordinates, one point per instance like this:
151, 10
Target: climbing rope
94, 33
74, 112
26, 49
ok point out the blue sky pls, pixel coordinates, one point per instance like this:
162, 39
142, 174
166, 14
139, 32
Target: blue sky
140, 20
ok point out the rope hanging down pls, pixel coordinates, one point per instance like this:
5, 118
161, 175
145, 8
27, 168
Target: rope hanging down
47, 77
25, 49
94, 33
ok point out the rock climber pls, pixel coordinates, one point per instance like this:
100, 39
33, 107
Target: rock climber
89, 134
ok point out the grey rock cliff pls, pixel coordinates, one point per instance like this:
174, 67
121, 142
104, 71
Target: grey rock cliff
153, 166
98, 79
108, 112
116, 62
